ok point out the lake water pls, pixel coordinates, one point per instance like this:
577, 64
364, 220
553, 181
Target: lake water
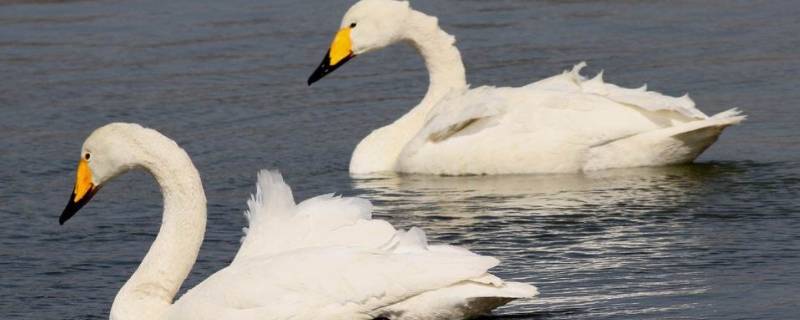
226, 79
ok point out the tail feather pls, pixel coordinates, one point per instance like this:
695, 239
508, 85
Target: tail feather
734, 116
464, 300
673, 145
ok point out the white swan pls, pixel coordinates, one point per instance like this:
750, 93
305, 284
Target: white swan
565, 123
324, 258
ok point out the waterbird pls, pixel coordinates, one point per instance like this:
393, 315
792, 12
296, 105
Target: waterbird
324, 258
561, 124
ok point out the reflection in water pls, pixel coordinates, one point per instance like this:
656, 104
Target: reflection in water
540, 195
584, 239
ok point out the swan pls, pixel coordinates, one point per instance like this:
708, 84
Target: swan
562, 124
324, 258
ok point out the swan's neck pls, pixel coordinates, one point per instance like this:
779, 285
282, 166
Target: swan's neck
151, 289
380, 150
442, 59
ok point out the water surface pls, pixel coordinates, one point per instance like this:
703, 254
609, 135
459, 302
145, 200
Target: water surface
226, 79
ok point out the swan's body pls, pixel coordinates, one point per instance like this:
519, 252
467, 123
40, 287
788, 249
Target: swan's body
324, 258
565, 123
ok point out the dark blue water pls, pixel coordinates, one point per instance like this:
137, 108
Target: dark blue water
226, 79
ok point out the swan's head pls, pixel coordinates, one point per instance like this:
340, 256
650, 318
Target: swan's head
108, 152
368, 25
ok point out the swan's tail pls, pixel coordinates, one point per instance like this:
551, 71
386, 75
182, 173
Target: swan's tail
464, 300
673, 145
734, 116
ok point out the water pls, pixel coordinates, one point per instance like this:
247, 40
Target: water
226, 79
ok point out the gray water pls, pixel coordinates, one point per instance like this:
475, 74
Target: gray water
715, 240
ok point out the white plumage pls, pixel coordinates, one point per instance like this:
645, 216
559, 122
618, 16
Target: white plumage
565, 123
324, 258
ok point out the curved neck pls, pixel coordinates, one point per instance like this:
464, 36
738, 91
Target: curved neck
442, 59
380, 150
151, 289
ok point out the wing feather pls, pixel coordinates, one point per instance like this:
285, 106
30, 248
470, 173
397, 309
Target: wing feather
327, 258
277, 224
573, 81
463, 109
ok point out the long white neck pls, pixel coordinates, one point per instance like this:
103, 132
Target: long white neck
442, 59
379, 151
151, 289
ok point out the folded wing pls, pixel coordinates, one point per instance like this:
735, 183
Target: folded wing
326, 258
469, 111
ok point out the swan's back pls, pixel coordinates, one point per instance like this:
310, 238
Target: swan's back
554, 125
327, 258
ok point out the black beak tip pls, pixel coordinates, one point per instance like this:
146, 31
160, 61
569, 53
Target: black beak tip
69, 211
314, 78
72, 207
65, 216
325, 68
318, 73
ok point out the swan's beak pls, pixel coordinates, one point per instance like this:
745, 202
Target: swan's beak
340, 52
83, 192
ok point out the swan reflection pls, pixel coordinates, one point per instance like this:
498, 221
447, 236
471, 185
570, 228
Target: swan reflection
555, 194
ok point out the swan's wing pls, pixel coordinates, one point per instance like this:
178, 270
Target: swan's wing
475, 109
344, 282
327, 259
461, 111
277, 224
573, 81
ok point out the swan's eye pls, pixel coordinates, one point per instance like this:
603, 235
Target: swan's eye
352, 25
87, 156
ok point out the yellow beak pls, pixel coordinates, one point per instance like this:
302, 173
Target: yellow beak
83, 191
340, 52
341, 46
